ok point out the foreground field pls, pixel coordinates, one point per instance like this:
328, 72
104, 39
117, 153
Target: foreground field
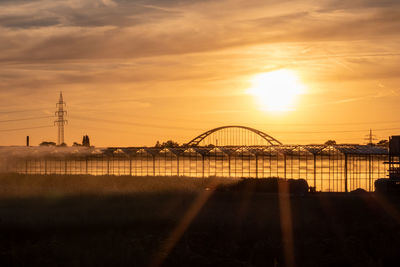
148, 221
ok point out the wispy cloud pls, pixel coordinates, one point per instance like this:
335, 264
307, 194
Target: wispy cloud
66, 30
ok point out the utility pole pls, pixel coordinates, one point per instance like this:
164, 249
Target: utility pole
60, 122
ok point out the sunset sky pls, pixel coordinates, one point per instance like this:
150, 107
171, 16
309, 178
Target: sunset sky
134, 72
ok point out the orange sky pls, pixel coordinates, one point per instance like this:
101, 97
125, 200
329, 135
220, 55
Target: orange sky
134, 72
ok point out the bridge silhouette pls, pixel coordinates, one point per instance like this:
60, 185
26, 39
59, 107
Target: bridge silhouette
234, 136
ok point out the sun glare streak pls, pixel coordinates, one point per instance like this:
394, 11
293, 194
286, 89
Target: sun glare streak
276, 91
182, 226
286, 223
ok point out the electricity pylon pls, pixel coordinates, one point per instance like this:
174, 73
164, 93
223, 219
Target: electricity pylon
60, 122
370, 138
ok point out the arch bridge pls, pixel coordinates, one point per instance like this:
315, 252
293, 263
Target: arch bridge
234, 135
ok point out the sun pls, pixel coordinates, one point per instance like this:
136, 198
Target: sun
276, 91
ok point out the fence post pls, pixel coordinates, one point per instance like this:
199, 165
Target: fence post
177, 165
315, 171
202, 159
256, 166
108, 166
154, 165
369, 173
87, 167
229, 166
130, 166
284, 165
345, 173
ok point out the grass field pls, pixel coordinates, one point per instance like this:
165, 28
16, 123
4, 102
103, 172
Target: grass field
174, 221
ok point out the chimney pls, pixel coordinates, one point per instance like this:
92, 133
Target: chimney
27, 140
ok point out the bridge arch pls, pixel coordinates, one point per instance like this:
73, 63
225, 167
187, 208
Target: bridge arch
231, 134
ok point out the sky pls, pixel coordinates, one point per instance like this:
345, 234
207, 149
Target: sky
134, 72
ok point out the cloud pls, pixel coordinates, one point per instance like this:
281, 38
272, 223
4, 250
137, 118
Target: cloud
132, 44
334, 5
27, 21
88, 30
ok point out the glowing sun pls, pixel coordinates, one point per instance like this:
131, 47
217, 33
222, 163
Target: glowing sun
276, 90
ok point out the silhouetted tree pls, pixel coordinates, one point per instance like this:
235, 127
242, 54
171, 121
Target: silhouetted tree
169, 143
85, 141
383, 142
47, 143
330, 142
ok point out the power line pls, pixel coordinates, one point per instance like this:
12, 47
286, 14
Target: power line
198, 129
253, 123
175, 128
19, 111
188, 128
135, 123
26, 119
330, 124
105, 129
28, 128
343, 131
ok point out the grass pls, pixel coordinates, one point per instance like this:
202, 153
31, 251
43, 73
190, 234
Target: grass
20, 185
128, 221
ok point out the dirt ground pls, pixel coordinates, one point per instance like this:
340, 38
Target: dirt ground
121, 221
